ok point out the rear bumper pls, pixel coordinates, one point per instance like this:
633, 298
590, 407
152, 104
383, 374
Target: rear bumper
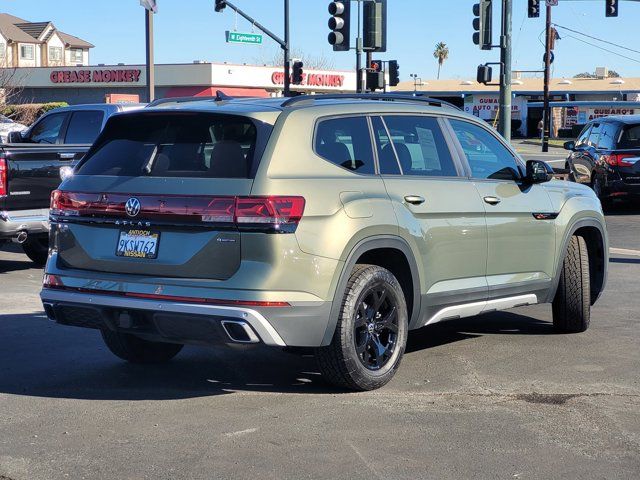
189, 323
617, 187
30, 221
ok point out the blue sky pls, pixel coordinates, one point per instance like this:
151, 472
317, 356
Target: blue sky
187, 30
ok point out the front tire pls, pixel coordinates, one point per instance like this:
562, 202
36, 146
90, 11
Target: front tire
572, 302
371, 333
136, 350
37, 249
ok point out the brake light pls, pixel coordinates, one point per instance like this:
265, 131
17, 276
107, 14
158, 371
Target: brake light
272, 213
4, 189
269, 210
618, 159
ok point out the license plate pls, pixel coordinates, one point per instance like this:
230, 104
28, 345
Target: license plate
136, 243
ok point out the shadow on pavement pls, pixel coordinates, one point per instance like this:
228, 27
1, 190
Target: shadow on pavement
41, 359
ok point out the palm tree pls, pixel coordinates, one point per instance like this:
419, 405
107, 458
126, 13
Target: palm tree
441, 53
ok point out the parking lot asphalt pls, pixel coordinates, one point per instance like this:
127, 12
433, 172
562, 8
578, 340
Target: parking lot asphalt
494, 396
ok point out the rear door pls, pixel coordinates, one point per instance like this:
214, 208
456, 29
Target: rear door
34, 164
521, 244
438, 209
155, 195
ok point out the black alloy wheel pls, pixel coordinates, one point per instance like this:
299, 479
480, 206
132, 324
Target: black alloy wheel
376, 327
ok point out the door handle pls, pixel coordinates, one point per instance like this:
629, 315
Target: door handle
414, 199
67, 156
492, 200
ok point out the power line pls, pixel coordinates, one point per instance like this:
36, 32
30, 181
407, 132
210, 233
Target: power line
596, 38
605, 49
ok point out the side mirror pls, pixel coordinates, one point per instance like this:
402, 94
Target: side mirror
538, 172
570, 145
14, 137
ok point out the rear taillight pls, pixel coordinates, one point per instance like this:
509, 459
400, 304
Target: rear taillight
269, 210
269, 213
618, 159
4, 188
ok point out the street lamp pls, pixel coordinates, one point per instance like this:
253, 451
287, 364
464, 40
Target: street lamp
416, 81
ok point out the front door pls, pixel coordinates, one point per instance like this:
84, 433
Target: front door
520, 226
439, 212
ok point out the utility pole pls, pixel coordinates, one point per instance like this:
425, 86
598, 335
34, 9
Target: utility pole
546, 114
504, 120
151, 80
359, 50
287, 52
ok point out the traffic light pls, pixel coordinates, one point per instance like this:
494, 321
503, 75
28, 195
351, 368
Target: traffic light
533, 8
375, 66
220, 5
482, 24
611, 8
297, 72
340, 25
485, 73
375, 26
394, 73
375, 80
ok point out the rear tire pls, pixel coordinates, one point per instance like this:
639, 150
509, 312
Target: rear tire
371, 333
598, 189
136, 350
572, 302
37, 249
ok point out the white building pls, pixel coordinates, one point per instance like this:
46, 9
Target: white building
39, 44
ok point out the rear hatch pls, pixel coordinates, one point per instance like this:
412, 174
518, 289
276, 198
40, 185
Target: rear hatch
158, 195
627, 154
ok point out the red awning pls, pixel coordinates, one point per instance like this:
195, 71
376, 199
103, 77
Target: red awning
211, 92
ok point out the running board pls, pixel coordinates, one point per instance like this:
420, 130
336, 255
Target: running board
476, 308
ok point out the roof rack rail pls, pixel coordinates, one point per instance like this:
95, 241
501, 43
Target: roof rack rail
384, 97
219, 97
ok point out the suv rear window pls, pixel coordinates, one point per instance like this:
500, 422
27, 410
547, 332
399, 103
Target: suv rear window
183, 144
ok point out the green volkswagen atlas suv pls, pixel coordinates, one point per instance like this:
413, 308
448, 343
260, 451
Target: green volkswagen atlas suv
336, 222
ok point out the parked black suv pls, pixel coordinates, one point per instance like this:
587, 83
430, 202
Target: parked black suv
606, 156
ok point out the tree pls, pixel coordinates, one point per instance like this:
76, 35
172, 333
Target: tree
10, 85
611, 74
311, 62
441, 53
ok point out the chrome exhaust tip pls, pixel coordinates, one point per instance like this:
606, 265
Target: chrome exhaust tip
239, 331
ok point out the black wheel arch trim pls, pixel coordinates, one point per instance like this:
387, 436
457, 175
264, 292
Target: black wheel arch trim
585, 222
362, 247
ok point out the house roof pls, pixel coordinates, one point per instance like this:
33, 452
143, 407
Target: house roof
34, 29
20, 30
526, 86
72, 41
11, 32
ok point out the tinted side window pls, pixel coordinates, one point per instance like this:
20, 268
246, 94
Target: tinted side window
419, 145
608, 136
346, 142
584, 135
84, 127
594, 135
47, 129
630, 138
487, 156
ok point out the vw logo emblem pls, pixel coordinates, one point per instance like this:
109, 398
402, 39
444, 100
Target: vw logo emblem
132, 207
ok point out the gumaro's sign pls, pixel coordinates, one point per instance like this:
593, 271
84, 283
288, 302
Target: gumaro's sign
95, 76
